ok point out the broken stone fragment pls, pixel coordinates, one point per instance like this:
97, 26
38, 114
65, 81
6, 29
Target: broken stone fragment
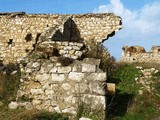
13, 105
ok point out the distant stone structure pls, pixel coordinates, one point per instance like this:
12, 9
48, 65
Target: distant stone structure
20, 32
138, 54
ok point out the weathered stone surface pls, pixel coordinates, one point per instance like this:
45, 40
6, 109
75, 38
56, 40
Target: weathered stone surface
88, 27
66, 86
57, 77
64, 69
101, 76
88, 68
36, 102
95, 101
36, 91
83, 118
76, 76
111, 88
138, 54
13, 105
42, 77
58, 88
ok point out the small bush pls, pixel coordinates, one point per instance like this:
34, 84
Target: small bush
9, 82
124, 76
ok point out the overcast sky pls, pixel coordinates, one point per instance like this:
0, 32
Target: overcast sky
141, 18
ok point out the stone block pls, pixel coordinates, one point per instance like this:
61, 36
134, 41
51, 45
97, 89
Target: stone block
36, 91
35, 64
57, 77
97, 88
95, 101
83, 118
78, 53
76, 76
111, 88
66, 86
88, 68
13, 105
69, 110
36, 102
66, 69
77, 68
42, 77
70, 99
101, 76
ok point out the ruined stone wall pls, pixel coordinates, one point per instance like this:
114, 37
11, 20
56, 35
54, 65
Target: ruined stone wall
138, 54
20, 32
53, 87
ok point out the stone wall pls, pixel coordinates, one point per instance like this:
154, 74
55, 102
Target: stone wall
20, 32
138, 54
53, 87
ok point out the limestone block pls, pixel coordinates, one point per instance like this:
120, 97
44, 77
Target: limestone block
94, 100
65, 43
79, 44
36, 91
74, 57
49, 92
77, 68
57, 77
71, 52
67, 48
36, 102
42, 77
96, 87
66, 69
88, 68
13, 105
81, 88
61, 52
69, 110
83, 118
70, 99
57, 109
101, 76
76, 76
76, 48
111, 88
78, 53
53, 70
35, 64
66, 86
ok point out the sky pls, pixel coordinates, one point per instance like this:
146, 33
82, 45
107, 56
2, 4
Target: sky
140, 18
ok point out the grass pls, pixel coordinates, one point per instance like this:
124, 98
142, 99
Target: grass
85, 110
127, 104
9, 83
22, 114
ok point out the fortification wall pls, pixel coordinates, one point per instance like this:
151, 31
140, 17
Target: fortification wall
138, 54
53, 87
19, 33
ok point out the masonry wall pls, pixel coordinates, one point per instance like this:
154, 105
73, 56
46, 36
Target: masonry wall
53, 87
20, 32
138, 54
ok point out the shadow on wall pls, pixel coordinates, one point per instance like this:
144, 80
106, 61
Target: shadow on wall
70, 32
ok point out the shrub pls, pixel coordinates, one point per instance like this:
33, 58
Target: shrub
9, 82
124, 75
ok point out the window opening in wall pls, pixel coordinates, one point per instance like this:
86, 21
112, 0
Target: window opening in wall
28, 37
